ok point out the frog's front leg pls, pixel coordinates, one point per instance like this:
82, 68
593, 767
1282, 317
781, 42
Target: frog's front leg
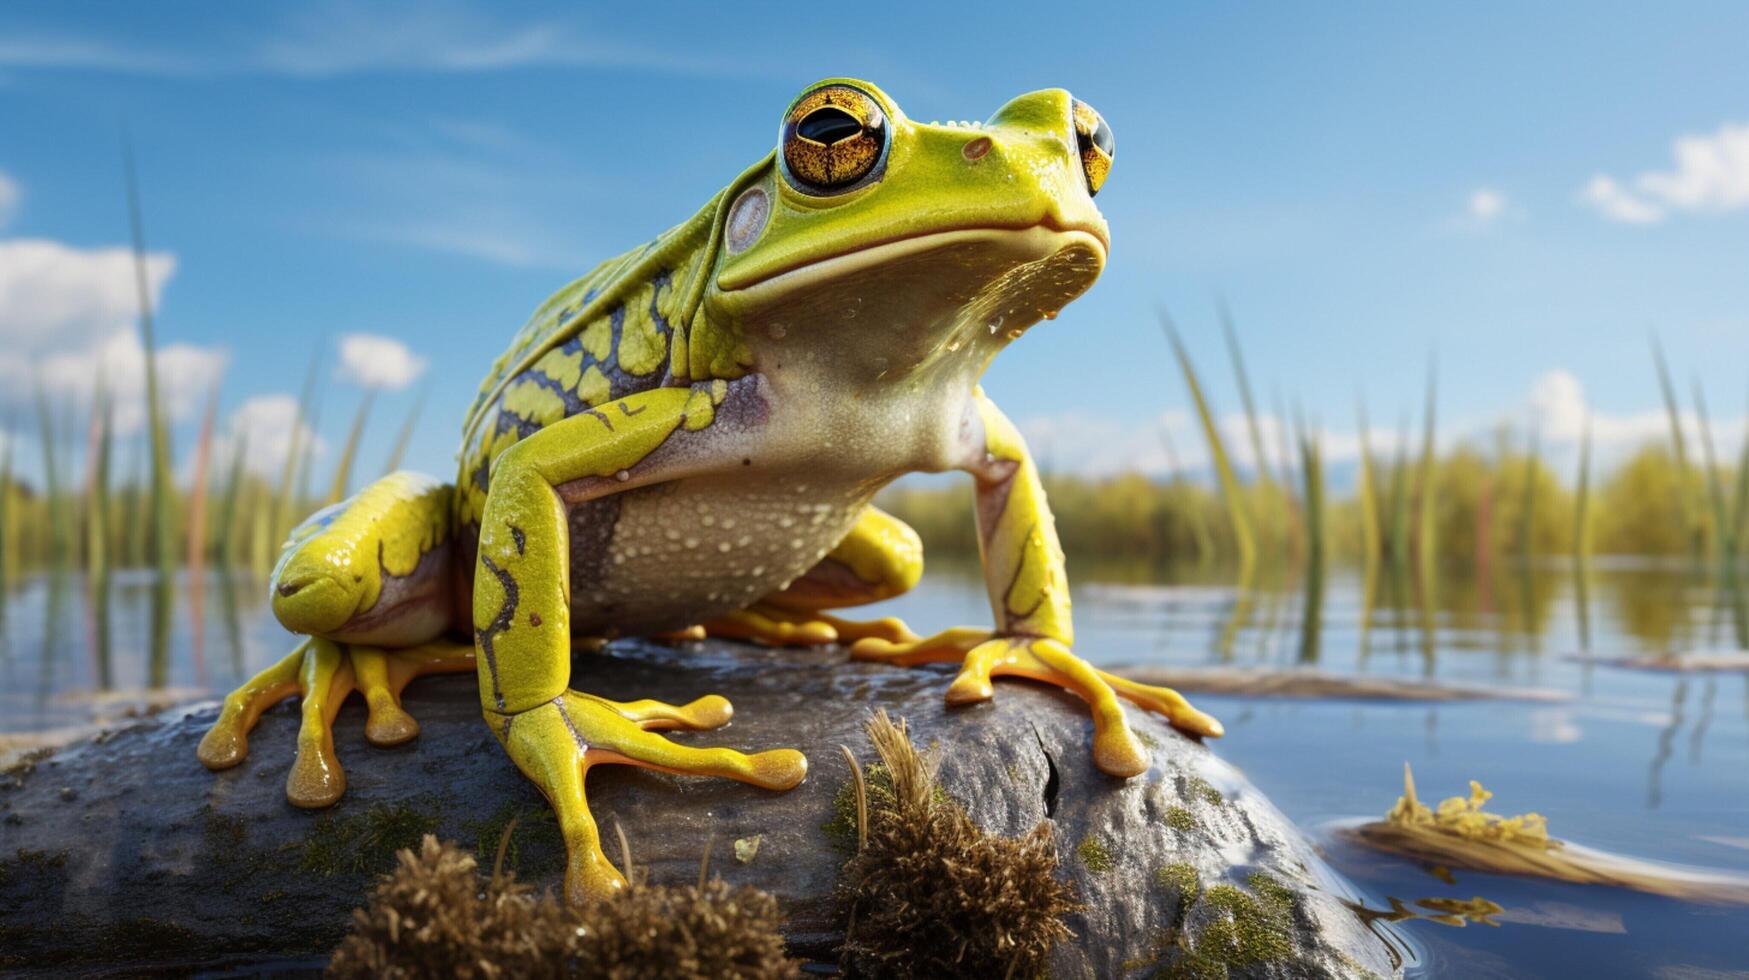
523, 636
1029, 592
880, 558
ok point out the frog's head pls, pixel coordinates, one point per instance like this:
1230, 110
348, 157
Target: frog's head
882, 246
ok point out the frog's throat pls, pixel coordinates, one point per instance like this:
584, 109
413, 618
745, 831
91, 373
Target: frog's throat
1043, 239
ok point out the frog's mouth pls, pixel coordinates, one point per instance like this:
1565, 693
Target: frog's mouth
1021, 243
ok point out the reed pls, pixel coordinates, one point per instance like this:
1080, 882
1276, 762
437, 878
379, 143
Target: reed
1582, 530
97, 502
54, 499
405, 436
284, 505
1686, 502
1527, 509
1372, 536
1244, 538
1427, 536
198, 490
225, 543
1740, 507
343, 470
1723, 546
1255, 428
163, 481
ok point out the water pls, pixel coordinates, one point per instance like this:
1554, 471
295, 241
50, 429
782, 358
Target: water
1646, 763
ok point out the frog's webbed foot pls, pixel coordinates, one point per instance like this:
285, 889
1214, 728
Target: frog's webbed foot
324, 673
770, 623
984, 655
556, 743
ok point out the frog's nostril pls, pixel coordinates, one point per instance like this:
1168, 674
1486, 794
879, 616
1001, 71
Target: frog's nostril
289, 589
976, 149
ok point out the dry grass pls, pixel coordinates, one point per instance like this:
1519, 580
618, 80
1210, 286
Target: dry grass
435, 916
933, 894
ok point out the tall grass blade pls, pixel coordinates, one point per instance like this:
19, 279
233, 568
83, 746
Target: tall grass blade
343, 471
405, 436
60, 533
1238, 358
1243, 536
1721, 543
1527, 512
283, 504
163, 482
1689, 507
97, 503
1427, 536
225, 545
1372, 538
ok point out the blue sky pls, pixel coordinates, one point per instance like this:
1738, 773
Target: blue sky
1527, 188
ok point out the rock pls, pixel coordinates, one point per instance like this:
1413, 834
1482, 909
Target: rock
153, 862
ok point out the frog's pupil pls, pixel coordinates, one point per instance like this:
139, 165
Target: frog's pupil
827, 125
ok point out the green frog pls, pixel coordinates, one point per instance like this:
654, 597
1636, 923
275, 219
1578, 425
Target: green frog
685, 442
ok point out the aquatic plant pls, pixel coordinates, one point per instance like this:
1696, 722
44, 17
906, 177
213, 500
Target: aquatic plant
158, 426
931, 893
434, 917
1464, 817
1244, 537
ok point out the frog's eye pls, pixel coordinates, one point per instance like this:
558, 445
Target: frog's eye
834, 139
1096, 144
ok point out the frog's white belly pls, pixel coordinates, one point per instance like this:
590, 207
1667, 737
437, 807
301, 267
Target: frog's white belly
667, 556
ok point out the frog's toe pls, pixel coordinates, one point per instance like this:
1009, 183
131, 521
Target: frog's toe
227, 743
1169, 703
889, 628
774, 626
556, 743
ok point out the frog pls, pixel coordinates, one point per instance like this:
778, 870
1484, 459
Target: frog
687, 441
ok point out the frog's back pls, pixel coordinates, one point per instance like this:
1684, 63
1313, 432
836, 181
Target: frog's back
616, 331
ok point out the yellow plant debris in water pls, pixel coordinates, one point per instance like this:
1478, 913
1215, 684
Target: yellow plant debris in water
1466, 818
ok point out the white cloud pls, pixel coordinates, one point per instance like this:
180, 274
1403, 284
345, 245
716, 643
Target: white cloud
10, 194
1486, 205
264, 426
69, 315
1617, 203
371, 361
1710, 175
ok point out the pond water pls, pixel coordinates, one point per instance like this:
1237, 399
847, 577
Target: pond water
1648, 763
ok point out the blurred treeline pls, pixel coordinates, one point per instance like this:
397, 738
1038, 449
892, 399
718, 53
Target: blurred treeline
1481, 509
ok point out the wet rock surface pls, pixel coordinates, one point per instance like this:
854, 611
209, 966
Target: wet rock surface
124, 855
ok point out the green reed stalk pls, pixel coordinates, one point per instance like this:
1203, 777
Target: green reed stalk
60, 534
1231, 491
343, 471
283, 505
1238, 358
225, 544
8, 514
1371, 535
1582, 504
1311, 618
163, 481
406, 434
1723, 545
1399, 513
1427, 536
1689, 511
135, 543
1527, 514
199, 488
97, 503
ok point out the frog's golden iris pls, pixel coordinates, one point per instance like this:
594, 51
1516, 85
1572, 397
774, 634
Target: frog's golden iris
1095, 143
834, 139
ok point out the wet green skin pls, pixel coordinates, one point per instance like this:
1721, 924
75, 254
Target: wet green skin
686, 440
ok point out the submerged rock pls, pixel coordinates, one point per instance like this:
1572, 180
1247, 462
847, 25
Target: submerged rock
125, 853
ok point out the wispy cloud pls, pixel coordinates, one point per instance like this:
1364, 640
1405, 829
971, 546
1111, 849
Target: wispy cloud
335, 39
1710, 176
1484, 208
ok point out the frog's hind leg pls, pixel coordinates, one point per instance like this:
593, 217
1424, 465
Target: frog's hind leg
880, 558
369, 581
